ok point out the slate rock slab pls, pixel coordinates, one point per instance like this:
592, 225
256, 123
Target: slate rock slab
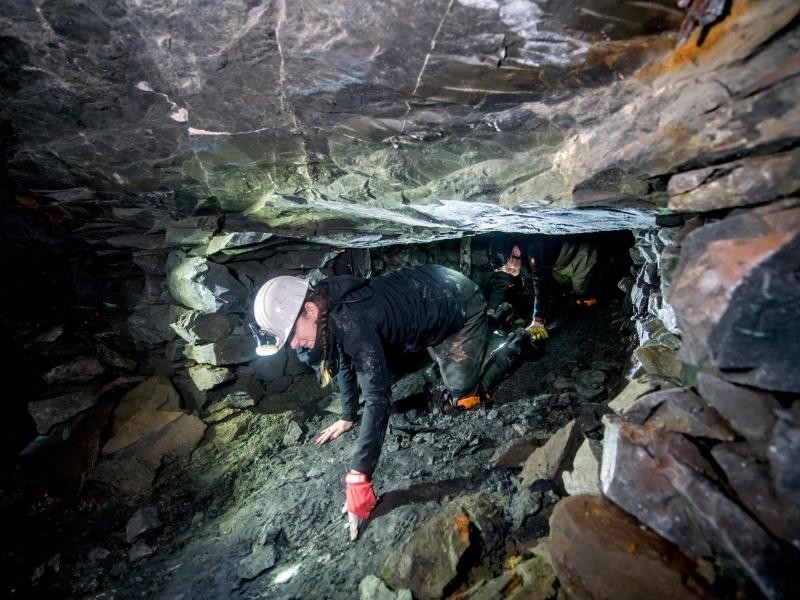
205, 285
584, 478
50, 412
750, 412
549, 461
259, 560
80, 370
600, 551
736, 296
749, 181
154, 393
750, 479
663, 480
679, 410
235, 349
142, 521
784, 450
206, 377
427, 563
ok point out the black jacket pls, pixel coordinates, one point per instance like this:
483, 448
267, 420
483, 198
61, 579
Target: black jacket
539, 254
406, 310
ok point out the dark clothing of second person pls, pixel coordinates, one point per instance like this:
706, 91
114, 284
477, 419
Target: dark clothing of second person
406, 310
541, 254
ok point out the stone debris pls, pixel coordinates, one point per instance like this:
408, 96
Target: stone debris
533, 578
142, 521
139, 551
293, 434
261, 558
372, 588
635, 562
98, 554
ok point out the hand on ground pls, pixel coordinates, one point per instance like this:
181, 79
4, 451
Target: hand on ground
537, 331
334, 431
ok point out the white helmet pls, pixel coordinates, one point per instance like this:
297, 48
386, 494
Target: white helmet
276, 308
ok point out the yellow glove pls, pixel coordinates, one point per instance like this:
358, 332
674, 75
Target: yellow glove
537, 331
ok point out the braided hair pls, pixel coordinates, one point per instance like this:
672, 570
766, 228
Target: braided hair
319, 297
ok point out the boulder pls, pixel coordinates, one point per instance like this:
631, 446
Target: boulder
515, 452
549, 461
679, 410
635, 474
600, 551
660, 359
736, 296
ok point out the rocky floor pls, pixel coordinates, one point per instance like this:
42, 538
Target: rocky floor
256, 511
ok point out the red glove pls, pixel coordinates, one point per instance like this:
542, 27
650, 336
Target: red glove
361, 498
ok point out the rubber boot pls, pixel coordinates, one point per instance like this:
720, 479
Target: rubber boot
507, 357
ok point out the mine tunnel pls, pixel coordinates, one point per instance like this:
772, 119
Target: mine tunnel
547, 251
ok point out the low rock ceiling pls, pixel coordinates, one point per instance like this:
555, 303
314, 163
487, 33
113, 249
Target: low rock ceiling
372, 121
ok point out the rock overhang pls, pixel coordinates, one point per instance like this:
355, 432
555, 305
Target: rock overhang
340, 119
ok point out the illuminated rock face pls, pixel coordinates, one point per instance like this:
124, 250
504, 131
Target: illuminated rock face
323, 119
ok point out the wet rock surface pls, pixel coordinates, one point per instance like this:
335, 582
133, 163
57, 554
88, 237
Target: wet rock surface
208, 542
635, 562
